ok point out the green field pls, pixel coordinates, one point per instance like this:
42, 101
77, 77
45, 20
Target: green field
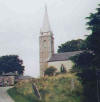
52, 89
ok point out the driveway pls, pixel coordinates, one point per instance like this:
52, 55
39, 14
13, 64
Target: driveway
4, 97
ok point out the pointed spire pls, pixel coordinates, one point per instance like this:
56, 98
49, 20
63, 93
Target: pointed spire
46, 24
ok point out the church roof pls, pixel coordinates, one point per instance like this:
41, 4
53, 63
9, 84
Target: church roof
63, 56
46, 25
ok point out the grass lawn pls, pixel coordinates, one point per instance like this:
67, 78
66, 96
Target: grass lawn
21, 98
52, 89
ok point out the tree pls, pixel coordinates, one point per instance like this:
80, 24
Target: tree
73, 45
93, 40
11, 63
87, 62
91, 58
50, 71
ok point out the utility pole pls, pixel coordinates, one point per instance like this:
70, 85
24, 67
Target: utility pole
98, 78
98, 90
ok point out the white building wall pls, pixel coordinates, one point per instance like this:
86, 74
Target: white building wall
57, 64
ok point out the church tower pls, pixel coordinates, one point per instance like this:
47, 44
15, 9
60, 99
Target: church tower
46, 42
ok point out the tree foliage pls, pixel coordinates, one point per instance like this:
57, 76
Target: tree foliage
50, 71
87, 62
11, 63
73, 45
86, 71
93, 40
91, 57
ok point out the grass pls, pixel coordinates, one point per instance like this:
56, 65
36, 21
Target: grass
19, 95
18, 98
52, 89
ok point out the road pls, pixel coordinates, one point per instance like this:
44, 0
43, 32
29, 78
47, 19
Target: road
4, 97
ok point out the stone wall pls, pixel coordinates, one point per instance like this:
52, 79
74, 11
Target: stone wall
7, 80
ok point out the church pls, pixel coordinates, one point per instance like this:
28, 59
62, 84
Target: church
46, 49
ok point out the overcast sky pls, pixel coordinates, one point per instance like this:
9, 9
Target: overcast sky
21, 20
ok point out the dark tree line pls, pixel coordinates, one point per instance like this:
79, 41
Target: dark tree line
73, 45
11, 63
88, 62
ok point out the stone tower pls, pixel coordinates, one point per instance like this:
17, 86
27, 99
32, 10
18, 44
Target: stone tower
46, 42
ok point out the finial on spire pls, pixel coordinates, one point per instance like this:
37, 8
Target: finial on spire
46, 24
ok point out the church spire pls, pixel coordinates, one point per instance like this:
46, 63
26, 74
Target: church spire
46, 24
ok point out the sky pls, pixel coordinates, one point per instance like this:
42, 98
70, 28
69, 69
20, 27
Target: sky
21, 20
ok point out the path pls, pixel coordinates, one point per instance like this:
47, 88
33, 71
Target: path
4, 97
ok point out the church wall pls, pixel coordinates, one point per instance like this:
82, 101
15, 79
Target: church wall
57, 64
46, 51
46, 44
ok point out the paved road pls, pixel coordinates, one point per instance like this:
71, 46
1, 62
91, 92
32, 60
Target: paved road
4, 97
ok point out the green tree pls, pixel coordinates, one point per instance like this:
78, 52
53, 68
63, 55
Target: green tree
50, 71
93, 40
73, 45
87, 62
11, 63
91, 57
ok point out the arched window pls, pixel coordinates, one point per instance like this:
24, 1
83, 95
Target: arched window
63, 69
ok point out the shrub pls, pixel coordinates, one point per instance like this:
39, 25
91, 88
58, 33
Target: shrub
50, 71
